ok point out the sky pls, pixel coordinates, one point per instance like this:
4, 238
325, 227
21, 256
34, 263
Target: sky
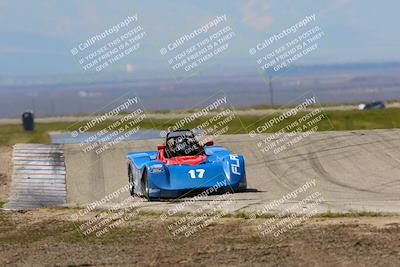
38, 35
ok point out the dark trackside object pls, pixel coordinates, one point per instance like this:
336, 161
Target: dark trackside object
375, 105
28, 121
372, 105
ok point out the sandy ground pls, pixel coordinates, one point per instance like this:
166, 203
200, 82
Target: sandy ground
49, 237
5, 172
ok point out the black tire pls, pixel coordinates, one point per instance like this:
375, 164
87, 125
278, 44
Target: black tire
144, 183
131, 181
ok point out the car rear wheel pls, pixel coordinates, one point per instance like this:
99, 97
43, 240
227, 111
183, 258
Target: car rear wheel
131, 181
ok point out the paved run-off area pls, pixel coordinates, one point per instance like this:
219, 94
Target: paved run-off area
352, 171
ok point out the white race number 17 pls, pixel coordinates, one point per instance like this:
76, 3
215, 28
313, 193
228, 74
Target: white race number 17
198, 173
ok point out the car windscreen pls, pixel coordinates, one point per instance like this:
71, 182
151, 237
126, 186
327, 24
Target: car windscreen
183, 145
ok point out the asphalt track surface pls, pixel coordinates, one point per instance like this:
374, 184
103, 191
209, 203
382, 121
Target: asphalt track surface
354, 171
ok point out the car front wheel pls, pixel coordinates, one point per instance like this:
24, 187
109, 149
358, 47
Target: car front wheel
144, 185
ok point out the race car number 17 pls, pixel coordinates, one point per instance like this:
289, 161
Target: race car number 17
198, 173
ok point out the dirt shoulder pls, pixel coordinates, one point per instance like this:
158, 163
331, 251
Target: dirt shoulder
5, 172
50, 237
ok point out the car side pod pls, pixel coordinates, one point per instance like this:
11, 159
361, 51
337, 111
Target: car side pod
234, 168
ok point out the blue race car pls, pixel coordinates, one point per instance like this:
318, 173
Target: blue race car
184, 167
